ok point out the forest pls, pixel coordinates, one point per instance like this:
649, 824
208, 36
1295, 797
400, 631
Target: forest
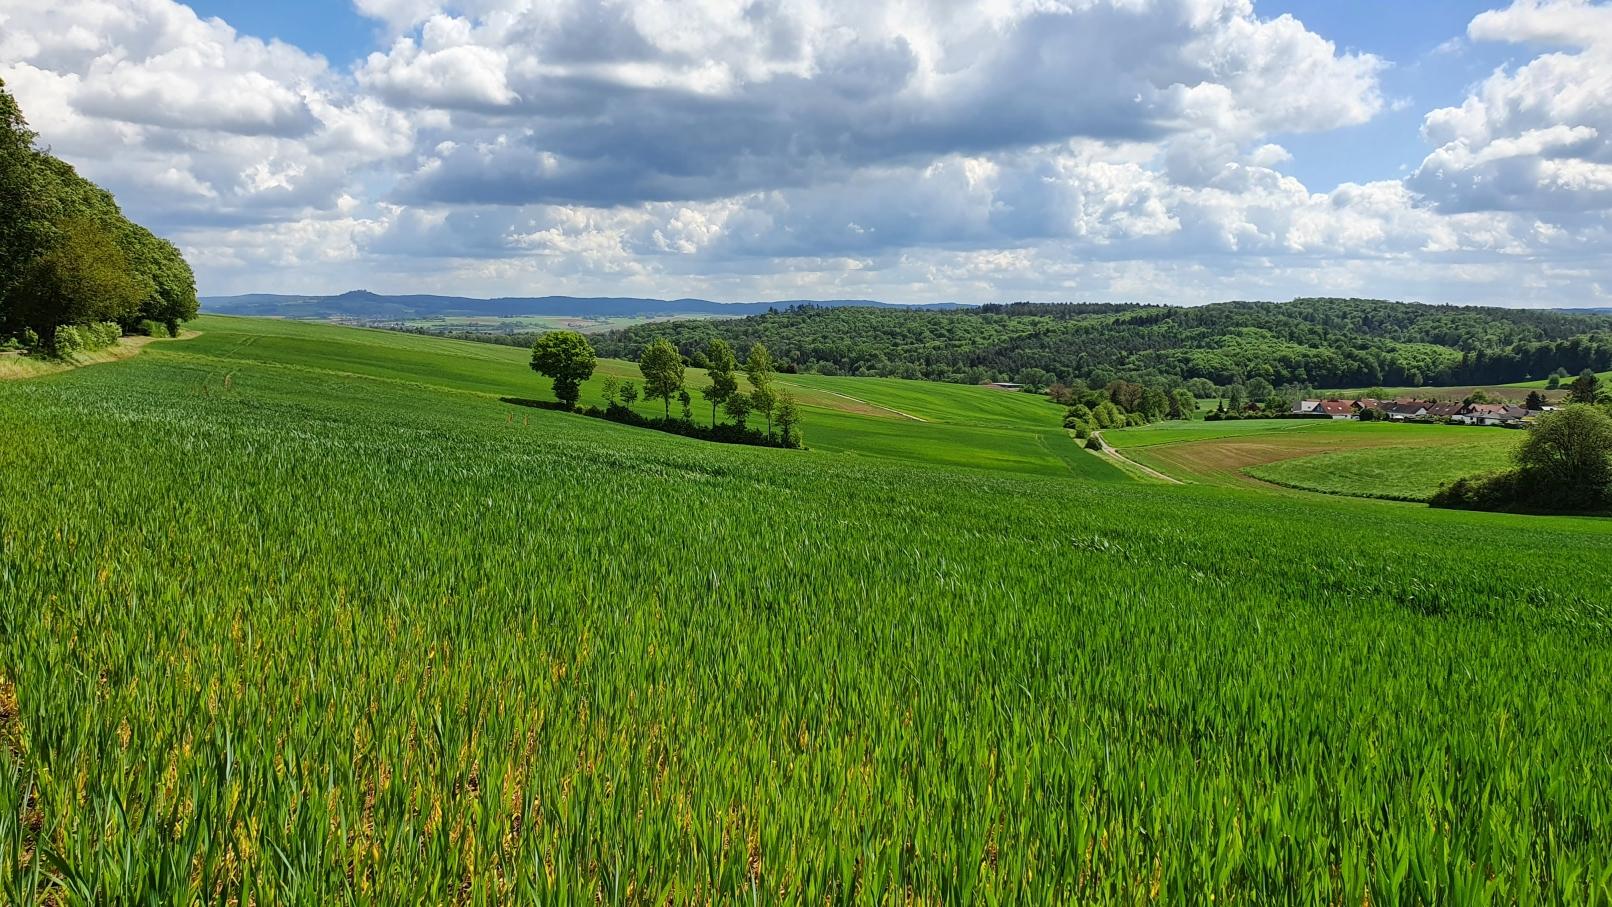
74, 272
1315, 342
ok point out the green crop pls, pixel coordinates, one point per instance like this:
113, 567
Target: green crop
290, 618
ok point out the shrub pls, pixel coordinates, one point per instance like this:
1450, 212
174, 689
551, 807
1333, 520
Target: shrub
149, 328
69, 340
1094, 443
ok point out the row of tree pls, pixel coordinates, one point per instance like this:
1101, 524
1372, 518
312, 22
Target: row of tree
568, 359
68, 256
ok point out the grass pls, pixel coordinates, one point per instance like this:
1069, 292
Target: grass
297, 614
1604, 376
1390, 473
16, 366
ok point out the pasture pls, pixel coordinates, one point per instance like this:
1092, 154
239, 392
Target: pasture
1391, 473
303, 614
1237, 453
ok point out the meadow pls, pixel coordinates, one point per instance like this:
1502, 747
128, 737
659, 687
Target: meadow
301, 614
1388, 460
1391, 473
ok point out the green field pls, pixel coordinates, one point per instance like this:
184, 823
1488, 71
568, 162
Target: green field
1391, 473
1606, 377
304, 614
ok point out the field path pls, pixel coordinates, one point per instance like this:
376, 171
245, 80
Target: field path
1144, 469
887, 409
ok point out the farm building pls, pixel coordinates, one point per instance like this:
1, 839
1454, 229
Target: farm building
1445, 410
1492, 414
1337, 409
1401, 410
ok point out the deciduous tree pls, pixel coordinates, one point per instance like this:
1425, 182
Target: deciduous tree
84, 278
788, 420
662, 368
567, 358
1586, 388
1571, 449
758, 367
720, 363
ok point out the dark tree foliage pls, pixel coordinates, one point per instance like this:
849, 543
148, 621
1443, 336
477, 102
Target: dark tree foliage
51, 212
1564, 465
1306, 342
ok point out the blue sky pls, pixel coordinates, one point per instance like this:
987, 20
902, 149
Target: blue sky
1168, 150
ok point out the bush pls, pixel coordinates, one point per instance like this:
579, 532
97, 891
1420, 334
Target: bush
149, 328
1493, 491
69, 340
9, 344
1094, 443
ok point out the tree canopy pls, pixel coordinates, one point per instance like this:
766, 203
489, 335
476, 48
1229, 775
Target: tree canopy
567, 358
67, 253
662, 368
1312, 342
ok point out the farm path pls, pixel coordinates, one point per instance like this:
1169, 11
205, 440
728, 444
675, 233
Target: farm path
1139, 467
888, 409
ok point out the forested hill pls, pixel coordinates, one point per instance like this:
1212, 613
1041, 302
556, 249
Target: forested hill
1320, 342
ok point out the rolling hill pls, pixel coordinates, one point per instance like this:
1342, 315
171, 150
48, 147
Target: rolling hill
304, 613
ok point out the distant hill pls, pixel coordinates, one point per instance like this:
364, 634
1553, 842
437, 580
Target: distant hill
1603, 310
1315, 342
362, 305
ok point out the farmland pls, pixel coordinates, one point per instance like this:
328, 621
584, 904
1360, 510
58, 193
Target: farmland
1391, 473
298, 613
1379, 457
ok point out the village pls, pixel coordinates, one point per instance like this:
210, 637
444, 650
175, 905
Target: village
1406, 409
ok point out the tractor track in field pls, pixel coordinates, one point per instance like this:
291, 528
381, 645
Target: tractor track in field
887, 409
1149, 471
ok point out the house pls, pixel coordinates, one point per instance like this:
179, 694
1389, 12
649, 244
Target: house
1493, 414
1445, 410
1337, 409
1368, 403
1305, 407
1401, 410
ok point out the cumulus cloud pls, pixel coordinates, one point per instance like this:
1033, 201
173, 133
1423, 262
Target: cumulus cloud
613, 103
916, 151
1537, 138
188, 120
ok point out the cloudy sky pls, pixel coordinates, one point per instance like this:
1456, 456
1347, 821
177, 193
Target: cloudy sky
910, 150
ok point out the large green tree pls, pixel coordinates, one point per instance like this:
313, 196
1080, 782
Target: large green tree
84, 278
567, 358
662, 368
1569, 453
45, 205
720, 365
758, 367
1586, 388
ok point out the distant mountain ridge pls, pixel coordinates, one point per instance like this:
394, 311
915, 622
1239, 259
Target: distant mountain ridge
362, 305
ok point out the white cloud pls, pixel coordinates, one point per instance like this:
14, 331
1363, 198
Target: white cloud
914, 151
1536, 139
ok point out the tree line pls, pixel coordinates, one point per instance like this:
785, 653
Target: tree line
74, 272
1310, 342
568, 360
